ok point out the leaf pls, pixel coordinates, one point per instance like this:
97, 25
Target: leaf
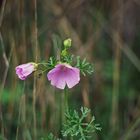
84, 66
75, 125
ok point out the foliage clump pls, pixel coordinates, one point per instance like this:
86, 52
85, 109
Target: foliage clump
76, 125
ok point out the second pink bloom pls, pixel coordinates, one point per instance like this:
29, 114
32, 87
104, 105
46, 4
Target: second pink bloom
24, 70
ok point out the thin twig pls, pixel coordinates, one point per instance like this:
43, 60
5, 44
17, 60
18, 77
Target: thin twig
129, 132
116, 73
19, 112
2, 12
5, 60
36, 57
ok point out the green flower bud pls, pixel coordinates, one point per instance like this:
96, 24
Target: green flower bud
67, 43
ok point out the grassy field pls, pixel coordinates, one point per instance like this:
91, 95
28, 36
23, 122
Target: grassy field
106, 33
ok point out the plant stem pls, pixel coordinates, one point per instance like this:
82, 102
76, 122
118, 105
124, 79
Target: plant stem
117, 43
7, 66
65, 103
42, 63
35, 43
20, 111
34, 109
130, 131
66, 98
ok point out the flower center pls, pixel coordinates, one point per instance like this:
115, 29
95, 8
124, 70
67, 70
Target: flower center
63, 68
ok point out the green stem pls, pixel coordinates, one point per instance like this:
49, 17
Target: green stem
65, 105
42, 63
44, 71
66, 98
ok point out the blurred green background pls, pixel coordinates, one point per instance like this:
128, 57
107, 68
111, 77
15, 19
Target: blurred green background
106, 32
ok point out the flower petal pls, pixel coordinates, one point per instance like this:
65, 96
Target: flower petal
52, 72
28, 70
57, 78
73, 77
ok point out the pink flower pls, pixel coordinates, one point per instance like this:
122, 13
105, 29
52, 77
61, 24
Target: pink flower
24, 70
64, 74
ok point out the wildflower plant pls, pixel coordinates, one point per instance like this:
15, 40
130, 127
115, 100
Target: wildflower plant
64, 72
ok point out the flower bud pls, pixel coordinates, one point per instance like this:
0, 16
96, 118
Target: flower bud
24, 70
67, 43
